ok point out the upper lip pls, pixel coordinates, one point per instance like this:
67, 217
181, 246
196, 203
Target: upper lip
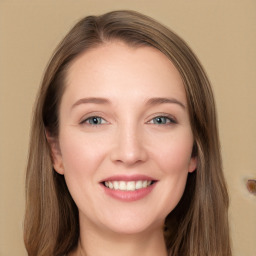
135, 177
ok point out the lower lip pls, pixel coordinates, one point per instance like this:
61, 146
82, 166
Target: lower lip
129, 196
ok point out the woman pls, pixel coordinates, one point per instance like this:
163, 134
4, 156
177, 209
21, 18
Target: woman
124, 155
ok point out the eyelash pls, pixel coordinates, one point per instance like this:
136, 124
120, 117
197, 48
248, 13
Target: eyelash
168, 120
93, 118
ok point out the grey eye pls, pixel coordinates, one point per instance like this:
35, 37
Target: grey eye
162, 120
95, 120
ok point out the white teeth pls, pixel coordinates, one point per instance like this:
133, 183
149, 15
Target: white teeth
144, 184
122, 185
138, 184
110, 185
128, 186
116, 185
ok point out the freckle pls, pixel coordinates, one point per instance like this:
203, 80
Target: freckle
251, 186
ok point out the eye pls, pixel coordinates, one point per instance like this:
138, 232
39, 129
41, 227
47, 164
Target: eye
161, 120
94, 120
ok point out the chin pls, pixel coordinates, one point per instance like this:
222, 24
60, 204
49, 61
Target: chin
133, 226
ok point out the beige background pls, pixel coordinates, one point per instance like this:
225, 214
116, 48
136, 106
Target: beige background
222, 33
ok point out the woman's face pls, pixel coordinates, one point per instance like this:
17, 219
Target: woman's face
125, 140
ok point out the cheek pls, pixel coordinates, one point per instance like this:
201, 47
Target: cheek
173, 159
81, 157
174, 155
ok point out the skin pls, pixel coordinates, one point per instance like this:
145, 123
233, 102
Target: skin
128, 140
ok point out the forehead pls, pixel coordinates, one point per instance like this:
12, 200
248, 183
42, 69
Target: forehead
125, 70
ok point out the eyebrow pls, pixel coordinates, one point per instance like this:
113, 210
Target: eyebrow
150, 102
91, 100
158, 101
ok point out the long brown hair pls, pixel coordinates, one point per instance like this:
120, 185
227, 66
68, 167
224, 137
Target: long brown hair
198, 226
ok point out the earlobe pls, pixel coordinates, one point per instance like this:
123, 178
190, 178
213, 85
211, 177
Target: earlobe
55, 153
192, 164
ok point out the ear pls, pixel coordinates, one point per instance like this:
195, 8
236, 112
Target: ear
192, 164
55, 153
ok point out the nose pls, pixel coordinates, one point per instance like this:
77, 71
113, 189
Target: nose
128, 147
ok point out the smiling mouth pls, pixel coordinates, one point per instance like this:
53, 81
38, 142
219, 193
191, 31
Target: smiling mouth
128, 185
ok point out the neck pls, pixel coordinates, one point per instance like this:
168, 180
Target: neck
105, 243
